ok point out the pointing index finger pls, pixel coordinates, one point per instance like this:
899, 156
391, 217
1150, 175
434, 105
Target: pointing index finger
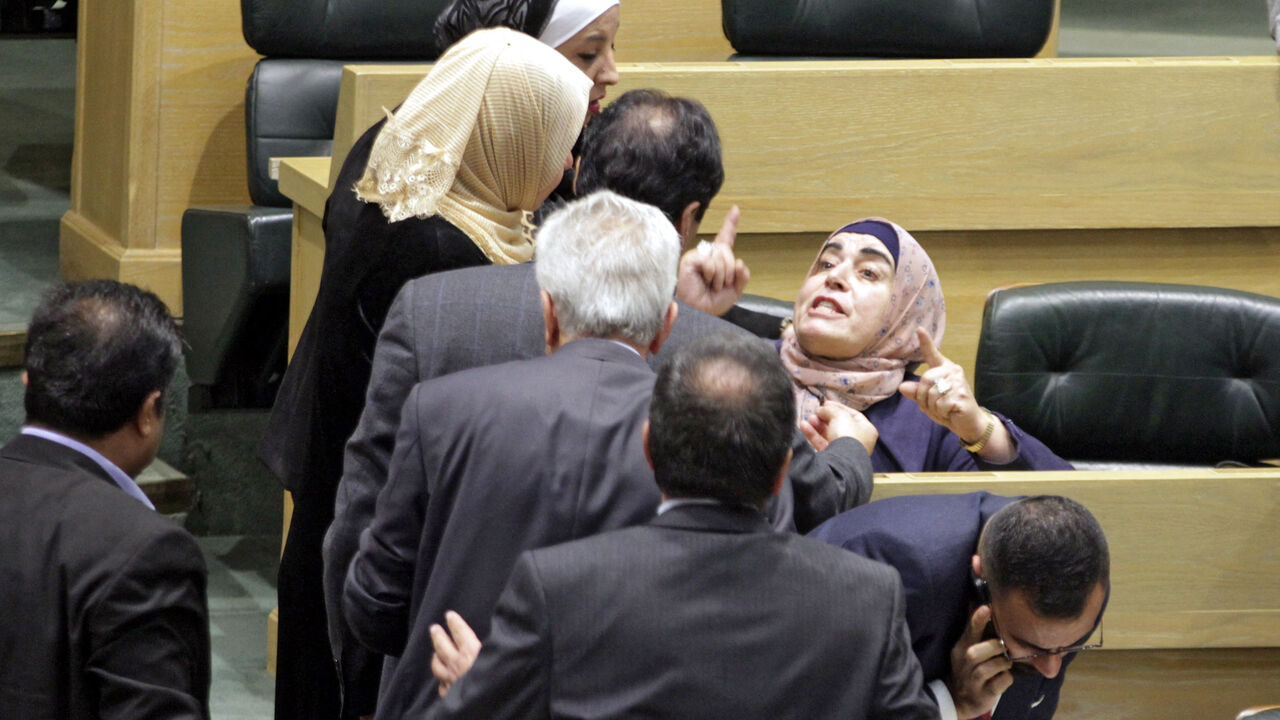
729, 228
932, 355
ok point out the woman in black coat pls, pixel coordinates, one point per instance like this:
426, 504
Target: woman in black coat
446, 182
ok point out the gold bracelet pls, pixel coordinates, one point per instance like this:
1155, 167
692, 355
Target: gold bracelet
976, 447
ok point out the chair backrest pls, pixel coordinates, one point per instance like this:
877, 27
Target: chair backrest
1135, 372
888, 28
342, 29
289, 111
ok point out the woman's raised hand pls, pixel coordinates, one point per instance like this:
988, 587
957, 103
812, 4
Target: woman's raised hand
943, 393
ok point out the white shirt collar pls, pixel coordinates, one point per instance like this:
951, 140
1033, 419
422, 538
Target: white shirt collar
121, 478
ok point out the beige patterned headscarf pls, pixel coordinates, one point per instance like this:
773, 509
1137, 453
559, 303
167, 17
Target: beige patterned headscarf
475, 141
873, 375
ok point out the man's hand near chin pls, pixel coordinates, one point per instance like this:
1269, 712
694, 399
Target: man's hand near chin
980, 673
711, 278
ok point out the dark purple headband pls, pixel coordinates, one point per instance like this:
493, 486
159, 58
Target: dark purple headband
877, 229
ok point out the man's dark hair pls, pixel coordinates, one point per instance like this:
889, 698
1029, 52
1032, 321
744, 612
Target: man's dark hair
1049, 546
657, 149
95, 350
463, 17
721, 421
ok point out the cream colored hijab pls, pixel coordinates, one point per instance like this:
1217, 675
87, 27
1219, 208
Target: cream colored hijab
475, 141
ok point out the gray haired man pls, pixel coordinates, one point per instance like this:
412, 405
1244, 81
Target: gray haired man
493, 461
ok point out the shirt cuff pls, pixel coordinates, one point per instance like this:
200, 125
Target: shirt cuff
946, 706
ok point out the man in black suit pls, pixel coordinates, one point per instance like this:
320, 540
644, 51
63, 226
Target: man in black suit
104, 600
448, 322
499, 459
704, 611
1001, 593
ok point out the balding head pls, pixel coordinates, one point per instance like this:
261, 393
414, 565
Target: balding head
721, 421
654, 148
95, 351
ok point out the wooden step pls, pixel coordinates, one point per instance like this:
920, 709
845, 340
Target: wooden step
169, 489
12, 339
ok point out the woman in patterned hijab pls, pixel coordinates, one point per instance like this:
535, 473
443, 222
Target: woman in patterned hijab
870, 310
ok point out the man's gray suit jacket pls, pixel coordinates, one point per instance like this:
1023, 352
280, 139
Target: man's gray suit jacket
446, 322
490, 462
701, 613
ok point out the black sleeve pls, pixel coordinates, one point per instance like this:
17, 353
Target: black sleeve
827, 483
757, 323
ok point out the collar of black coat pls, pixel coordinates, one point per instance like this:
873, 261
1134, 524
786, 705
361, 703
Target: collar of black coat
719, 517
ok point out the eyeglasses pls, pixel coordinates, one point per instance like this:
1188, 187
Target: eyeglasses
1043, 652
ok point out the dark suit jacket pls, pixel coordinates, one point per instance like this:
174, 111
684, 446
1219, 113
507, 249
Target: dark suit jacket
452, 321
702, 613
930, 540
102, 600
490, 462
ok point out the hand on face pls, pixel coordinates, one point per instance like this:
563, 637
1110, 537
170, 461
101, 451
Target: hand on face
832, 420
944, 394
455, 651
712, 281
979, 670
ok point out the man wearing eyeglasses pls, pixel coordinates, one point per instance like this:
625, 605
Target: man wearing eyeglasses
1001, 592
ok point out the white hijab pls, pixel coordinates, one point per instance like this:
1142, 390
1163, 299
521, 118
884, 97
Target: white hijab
568, 17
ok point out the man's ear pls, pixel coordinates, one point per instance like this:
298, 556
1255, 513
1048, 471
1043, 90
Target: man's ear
668, 320
550, 322
577, 169
149, 420
24, 378
977, 566
689, 222
782, 473
644, 440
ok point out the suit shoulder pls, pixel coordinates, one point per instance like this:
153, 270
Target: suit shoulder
603, 550
492, 278
823, 555
81, 519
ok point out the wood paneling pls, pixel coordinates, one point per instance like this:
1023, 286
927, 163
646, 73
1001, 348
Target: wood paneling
672, 30
305, 180
1193, 557
972, 145
1169, 684
1050, 48
159, 127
